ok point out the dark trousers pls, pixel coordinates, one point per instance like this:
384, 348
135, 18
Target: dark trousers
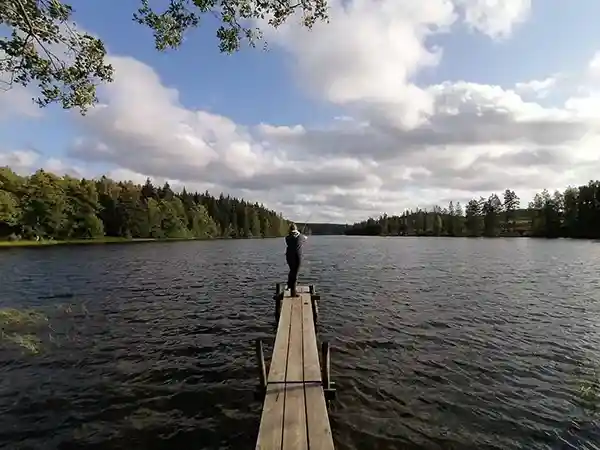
293, 262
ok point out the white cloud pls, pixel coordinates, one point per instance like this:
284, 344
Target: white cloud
15, 100
21, 161
398, 144
373, 52
25, 162
594, 66
495, 18
538, 88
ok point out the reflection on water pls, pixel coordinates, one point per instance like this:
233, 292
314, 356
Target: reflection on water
437, 343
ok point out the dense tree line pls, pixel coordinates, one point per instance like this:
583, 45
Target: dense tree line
46, 206
572, 213
325, 228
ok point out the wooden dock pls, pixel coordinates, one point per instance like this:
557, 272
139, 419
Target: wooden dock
294, 415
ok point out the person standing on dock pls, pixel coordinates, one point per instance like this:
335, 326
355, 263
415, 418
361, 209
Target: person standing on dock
293, 255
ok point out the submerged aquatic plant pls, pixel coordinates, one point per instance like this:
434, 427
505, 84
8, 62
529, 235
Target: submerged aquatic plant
31, 330
29, 342
588, 392
17, 327
17, 318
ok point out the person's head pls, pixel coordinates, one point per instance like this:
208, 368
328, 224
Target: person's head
293, 228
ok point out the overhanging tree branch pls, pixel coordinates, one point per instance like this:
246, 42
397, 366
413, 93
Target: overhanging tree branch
38, 26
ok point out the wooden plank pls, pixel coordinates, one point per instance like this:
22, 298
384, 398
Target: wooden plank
312, 369
294, 419
318, 427
270, 433
278, 367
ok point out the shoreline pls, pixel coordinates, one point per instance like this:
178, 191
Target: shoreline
115, 240
475, 237
501, 236
109, 240
463, 236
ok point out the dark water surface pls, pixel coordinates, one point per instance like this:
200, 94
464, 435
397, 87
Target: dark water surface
437, 343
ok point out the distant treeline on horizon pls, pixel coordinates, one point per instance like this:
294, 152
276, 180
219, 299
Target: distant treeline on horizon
574, 213
325, 228
47, 206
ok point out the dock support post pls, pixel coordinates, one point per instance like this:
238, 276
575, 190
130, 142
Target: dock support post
278, 299
315, 306
262, 370
328, 385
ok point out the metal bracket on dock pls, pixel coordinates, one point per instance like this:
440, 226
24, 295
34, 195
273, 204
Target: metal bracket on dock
313, 299
278, 297
262, 370
328, 385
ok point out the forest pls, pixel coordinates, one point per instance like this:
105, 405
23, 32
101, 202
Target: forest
319, 228
48, 207
574, 213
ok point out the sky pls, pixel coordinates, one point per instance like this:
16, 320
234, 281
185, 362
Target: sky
393, 104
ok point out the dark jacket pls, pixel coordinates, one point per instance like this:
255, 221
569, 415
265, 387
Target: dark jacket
294, 242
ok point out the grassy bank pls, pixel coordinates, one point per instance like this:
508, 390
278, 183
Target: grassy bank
45, 243
106, 240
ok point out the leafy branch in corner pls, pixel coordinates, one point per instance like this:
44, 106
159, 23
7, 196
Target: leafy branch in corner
40, 30
44, 47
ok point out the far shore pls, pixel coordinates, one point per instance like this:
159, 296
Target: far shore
105, 240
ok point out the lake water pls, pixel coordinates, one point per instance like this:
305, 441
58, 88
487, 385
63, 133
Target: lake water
437, 343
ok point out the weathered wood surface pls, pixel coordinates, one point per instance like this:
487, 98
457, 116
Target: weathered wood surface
294, 415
